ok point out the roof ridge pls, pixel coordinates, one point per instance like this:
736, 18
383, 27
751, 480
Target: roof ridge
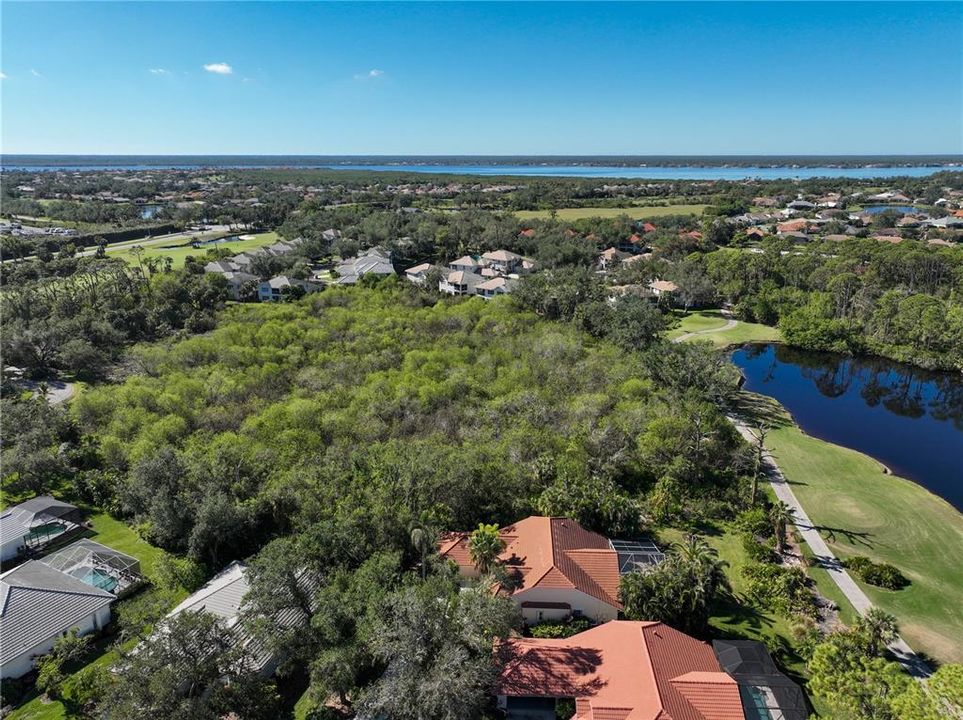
597, 590
648, 663
93, 592
547, 571
605, 597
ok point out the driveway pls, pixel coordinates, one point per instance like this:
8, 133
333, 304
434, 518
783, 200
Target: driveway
57, 391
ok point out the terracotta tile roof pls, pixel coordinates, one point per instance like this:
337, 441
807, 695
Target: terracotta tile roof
792, 226
710, 693
527, 233
623, 670
550, 552
501, 256
663, 286
648, 227
465, 261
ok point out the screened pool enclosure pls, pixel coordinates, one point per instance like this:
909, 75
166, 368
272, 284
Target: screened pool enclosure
97, 565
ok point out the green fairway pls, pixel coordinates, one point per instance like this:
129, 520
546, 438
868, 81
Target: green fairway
697, 322
178, 254
861, 510
635, 212
710, 321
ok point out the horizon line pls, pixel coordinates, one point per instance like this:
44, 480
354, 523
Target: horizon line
488, 155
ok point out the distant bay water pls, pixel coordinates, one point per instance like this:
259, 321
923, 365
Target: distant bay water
638, 168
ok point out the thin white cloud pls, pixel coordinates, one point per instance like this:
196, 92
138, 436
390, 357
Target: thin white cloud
159, 71
221, 68
370, 75
3, 76
35, 73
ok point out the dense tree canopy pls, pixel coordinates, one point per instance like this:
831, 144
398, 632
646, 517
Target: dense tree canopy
375, 401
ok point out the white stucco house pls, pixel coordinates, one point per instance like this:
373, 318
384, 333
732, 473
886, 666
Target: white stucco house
38, 605
33, 523
560, 569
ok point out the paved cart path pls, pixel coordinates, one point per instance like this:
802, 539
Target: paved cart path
914, 665
728, 326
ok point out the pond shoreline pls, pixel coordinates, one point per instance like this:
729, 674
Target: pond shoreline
906, 419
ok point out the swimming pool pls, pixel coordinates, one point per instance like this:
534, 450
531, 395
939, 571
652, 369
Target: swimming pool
98, 579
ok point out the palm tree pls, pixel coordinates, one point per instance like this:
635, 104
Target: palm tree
881, 629
419, 541
781, 516
484, 547
696, 553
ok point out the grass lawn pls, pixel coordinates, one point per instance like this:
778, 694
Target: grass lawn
711, 320
178, 254
115, 534
635, 212
696, 322
739, 619
303, 706
860, 510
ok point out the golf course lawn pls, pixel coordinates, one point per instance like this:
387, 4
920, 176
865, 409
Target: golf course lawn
178, 254
633, 211
711, 320
860, 510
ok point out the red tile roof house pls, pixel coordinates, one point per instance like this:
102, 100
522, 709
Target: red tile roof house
622, 670
562, 568
792, 226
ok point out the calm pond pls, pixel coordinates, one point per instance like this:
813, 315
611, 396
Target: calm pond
909, 419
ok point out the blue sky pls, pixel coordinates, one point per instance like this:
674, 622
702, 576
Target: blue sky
499, 78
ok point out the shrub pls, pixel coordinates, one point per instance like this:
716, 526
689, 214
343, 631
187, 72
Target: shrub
757, 551
559, 630
755, 521
173, 573
885, 575
881, 575
784, 589
857, 564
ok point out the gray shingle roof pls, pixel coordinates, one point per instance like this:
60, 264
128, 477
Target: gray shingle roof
41, 505
38, 602
16, 521
221, 596
11, 528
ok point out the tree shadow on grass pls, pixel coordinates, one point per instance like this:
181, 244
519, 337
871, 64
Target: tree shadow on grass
736, 612
755, 410
851, 536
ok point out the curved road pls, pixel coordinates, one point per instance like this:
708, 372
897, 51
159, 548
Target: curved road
913, 664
